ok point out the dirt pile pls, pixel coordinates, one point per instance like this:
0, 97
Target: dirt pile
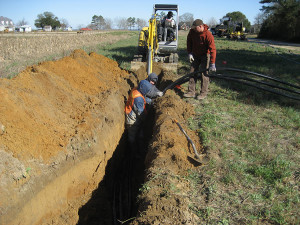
60, 123
165, 198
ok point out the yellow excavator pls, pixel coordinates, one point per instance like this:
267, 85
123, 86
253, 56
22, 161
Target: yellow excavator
159, 41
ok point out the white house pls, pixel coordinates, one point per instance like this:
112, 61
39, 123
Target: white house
47, 28
68, 29
24, 28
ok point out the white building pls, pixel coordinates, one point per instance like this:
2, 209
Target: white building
24, 28
68, 29
47, 28
6, 24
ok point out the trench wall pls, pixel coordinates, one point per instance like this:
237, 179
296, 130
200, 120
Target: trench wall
61, 122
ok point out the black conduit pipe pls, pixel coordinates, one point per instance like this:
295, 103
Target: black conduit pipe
253, 85
260, 82
186, 78
259, 75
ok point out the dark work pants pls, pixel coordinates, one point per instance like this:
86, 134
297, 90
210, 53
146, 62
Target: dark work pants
203, 63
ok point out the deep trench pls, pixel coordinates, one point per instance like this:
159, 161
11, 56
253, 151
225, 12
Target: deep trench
115, 199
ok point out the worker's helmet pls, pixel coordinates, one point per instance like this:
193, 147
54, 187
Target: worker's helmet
152, 77
170, 14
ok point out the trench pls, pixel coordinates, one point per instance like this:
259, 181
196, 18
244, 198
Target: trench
115, 200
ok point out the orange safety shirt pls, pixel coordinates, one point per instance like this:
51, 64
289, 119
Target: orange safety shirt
129, 104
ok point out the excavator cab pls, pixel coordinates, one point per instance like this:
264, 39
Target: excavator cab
167, 29
159, 41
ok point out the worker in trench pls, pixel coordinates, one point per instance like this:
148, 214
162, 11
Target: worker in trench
139, 100
201, 53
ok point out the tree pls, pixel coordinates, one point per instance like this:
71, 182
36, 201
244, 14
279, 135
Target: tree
121, 23
141, 23
22, 22
131, 22
238, 17
108, 24
64, 23
258, 21
212, 22
47, 19
281, 14
186, 18
98, 22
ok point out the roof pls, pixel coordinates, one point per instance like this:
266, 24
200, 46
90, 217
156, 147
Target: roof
85, 29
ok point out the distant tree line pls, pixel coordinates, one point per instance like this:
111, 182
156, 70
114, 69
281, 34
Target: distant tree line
282, 20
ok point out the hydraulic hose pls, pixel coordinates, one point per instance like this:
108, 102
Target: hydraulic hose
182, 80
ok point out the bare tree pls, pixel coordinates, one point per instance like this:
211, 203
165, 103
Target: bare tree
187, 18
212, 22
122, 23
64, 23
80, 26
22, 22
108, 24
141, 23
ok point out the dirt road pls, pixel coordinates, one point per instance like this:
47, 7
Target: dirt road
278, 44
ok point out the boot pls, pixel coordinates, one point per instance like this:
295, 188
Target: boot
189, 95
201, 97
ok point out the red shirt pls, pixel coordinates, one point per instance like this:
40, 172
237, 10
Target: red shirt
201, 44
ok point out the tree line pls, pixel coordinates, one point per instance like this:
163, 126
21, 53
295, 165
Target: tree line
281, 20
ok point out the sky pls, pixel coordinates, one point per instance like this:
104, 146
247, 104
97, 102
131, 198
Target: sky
80, 12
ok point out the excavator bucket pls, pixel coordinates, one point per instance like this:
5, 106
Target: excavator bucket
135, 66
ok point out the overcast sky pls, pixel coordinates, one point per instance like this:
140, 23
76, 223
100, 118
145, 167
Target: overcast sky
80, 12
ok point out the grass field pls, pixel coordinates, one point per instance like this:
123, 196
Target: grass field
254, 176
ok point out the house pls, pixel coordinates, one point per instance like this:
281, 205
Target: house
47, 28
6, 24
68, 29
24, 28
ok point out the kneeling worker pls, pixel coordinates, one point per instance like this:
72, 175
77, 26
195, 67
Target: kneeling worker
135, 112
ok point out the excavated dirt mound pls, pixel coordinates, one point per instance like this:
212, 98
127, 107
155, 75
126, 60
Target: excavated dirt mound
165, 198
60, 123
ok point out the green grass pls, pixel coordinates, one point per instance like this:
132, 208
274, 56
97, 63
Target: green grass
255, 134
121, 51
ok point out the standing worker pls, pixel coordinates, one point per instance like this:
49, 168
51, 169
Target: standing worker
201, 52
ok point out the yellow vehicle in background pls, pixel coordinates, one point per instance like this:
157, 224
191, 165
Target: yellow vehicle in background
231, 30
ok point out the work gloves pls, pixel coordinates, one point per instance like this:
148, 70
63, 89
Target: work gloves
212, 67
191, 58
160, 93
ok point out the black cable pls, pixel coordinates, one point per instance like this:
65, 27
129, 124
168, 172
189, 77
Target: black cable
259, 87
186, 78
258, 74
182, 80
260, 82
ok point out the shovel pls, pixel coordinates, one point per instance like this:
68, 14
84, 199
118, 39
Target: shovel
197, 159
